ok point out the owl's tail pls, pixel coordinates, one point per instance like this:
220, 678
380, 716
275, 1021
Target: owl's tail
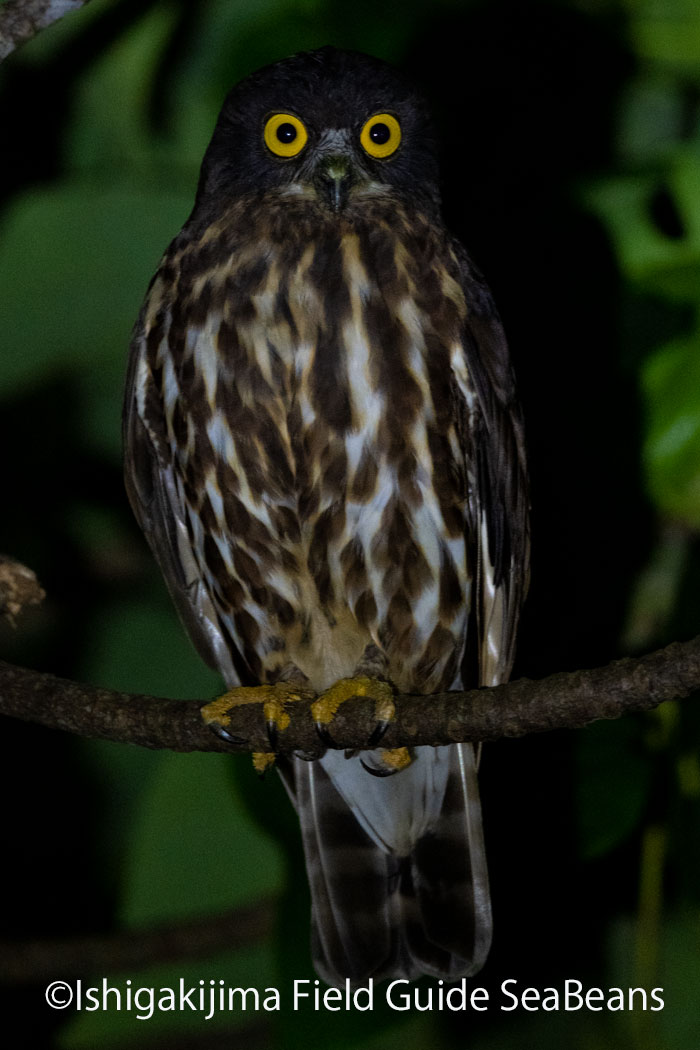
396, 866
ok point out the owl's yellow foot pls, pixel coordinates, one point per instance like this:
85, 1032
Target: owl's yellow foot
325, 708
274, 699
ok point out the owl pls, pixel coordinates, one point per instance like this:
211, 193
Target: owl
325, 453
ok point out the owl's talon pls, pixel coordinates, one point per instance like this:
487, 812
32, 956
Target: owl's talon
324, 734
306, 756
326, 707
389, 761
378, 732
274, 699
375, 771
223, 734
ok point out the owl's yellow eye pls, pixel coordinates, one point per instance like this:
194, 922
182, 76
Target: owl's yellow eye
285, 135
381, 135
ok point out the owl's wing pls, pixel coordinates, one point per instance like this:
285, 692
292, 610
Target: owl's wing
449, 880
158, 502
498, 504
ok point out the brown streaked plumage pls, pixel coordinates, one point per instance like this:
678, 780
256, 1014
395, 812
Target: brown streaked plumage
325, 453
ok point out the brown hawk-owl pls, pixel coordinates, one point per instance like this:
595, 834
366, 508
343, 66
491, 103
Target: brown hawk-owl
325, 453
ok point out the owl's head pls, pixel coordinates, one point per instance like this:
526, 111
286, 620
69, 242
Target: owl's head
333, 126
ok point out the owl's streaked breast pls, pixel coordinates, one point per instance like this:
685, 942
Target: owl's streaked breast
313, 386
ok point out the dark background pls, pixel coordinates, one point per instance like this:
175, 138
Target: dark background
570, 157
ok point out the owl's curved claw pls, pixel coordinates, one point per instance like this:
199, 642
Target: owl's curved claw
389, 761
376, 772
324, 734
374, 738
223, 734
378, 731
306, 756
325, 708
274, 697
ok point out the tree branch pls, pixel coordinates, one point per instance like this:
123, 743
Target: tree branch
130, 950
20, 20
564, 700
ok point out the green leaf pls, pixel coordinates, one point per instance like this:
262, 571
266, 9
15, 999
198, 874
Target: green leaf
140, 646
677, 1026
614, 780
109, 131
194, 849
75, 262
667, 32
653, 261
671, 455
651, 117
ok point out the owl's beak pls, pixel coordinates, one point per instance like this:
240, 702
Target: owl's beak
334, 177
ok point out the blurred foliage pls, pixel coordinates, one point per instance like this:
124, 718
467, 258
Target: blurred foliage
571, 133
